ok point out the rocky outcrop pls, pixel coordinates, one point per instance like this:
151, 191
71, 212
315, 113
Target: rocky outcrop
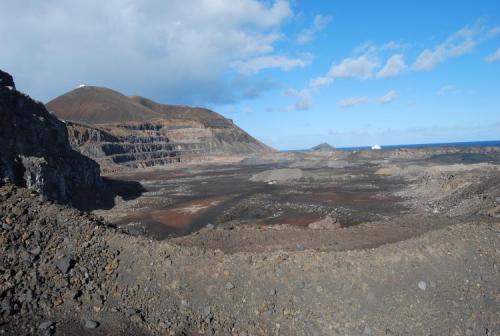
324, 147
35, 151
133, 145
117, 130
6, 80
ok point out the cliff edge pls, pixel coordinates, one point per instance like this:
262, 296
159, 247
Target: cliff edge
35, 151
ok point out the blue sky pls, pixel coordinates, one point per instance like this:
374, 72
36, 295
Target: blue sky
292, 73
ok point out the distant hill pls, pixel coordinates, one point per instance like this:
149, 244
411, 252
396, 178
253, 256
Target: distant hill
144, 132
183, 112
95, 105
323, 147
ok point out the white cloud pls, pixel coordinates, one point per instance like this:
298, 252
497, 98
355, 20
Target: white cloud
447, 89
391, 45
495, 57
171, 50
260, 63
460, 43
320, 82
303, 102
352, 101
364, 63
307, 35
388, 97
494, 31
394, 66
360, 67
305, 96
247, 109
293, 93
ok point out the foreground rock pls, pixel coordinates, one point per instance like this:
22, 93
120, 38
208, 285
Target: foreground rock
35, 151
444, 282
52, 258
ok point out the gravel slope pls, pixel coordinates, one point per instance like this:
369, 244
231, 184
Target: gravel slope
443, 282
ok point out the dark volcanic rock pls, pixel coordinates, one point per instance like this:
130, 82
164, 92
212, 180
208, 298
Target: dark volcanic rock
35, 151
89, 324
65, 264
6, 80
32, 288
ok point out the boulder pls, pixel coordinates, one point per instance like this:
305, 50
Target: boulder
324, 224
90, 324
65, 264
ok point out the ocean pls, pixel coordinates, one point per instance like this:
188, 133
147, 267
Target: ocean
491, 143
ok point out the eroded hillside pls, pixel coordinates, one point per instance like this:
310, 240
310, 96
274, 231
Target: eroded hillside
118, 131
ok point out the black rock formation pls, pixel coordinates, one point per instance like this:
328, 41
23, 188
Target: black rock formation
35, 151
6, 80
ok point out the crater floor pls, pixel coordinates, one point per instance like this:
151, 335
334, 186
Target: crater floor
276, 206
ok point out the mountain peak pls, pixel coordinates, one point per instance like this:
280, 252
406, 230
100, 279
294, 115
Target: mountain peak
98, 105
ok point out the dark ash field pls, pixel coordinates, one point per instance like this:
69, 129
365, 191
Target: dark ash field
359, 202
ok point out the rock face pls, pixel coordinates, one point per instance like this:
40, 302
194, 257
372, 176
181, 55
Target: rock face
35, 151
134, 131
135, 144
6, 80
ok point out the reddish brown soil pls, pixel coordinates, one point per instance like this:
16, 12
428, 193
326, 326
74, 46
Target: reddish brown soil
184, 214
360, 199
150, 175
338, 196
172, 218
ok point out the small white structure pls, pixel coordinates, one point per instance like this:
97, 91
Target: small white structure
81, 85
376, 147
